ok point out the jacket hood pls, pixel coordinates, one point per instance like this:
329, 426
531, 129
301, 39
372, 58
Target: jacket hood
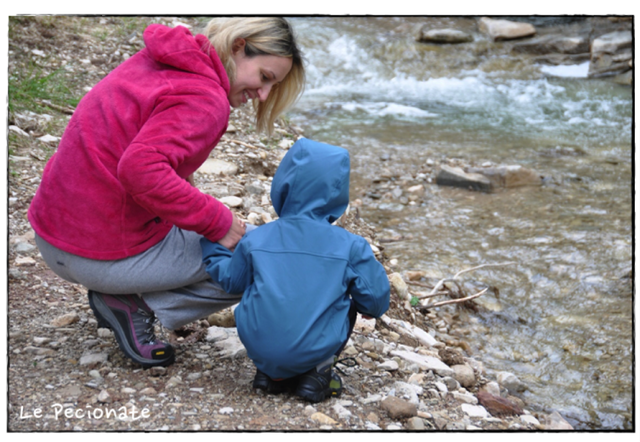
312, 181
178, 48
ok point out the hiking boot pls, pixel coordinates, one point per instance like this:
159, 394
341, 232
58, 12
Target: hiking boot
263, 382
318, 384
132, 323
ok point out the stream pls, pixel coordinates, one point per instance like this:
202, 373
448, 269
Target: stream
563, 319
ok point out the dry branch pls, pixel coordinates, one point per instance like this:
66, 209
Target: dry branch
454, 301
242, 143
437, 292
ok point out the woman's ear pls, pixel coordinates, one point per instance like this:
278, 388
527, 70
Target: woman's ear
238, 45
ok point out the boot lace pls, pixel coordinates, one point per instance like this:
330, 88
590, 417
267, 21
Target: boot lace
144, 326
347, 362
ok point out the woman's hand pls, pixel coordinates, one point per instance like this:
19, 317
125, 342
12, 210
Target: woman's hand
234, 235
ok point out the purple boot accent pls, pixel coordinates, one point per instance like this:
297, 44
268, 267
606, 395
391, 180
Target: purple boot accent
132, 323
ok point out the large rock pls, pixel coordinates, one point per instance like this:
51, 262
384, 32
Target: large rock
443, 36
505, 29
549, 44
612, 42
611, 54
456, 177
508, 176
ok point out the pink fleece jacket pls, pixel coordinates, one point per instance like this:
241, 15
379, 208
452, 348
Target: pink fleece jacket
117, 182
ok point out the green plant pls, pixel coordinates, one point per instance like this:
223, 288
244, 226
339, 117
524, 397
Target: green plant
35, 84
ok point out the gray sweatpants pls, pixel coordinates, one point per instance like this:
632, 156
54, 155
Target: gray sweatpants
170, 277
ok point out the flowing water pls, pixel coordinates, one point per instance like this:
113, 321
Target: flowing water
563, 319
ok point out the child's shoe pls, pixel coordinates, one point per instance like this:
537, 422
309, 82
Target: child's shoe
132, 323
263, 382
319, 383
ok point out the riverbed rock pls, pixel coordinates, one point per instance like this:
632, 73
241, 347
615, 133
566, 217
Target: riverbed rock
456, 177
553, 43
508, 176
505, 29
510, 382
556, 422
451, 36
610, 54
497, 405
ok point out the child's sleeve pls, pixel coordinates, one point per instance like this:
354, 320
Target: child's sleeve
232, 270
369, 284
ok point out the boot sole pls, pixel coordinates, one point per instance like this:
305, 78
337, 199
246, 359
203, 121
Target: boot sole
106, 319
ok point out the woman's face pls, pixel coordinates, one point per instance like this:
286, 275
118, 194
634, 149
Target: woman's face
255, 76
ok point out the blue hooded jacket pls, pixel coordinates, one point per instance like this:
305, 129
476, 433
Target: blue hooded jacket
298, 273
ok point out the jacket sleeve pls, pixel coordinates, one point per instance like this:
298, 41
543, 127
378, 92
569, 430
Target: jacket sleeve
369, 284
173, 142
232, 270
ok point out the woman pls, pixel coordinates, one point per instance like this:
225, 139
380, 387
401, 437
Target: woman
116, 212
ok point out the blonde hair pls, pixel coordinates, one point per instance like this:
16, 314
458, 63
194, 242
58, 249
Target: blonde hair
263, 36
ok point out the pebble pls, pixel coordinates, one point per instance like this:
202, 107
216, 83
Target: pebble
322, 418
474, 410
398, 408
415, 423
94, 359
464, 375
342, 412
464, 397
64, 320
390, 365
231, 201
510, 382
104, 396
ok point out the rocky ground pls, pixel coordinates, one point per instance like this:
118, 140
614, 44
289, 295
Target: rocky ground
412, 371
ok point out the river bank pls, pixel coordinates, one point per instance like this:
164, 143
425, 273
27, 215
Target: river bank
414, 373
411, 373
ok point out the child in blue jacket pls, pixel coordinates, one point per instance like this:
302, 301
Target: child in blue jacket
302, 279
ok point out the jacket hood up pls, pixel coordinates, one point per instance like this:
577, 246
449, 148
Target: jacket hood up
176, 47
312, 181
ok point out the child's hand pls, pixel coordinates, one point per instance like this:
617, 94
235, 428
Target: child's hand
234, 235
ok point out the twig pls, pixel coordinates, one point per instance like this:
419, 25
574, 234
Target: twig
442, 281
242, 143
421, 284
481, 266
429, 295
454, 301
65, 110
